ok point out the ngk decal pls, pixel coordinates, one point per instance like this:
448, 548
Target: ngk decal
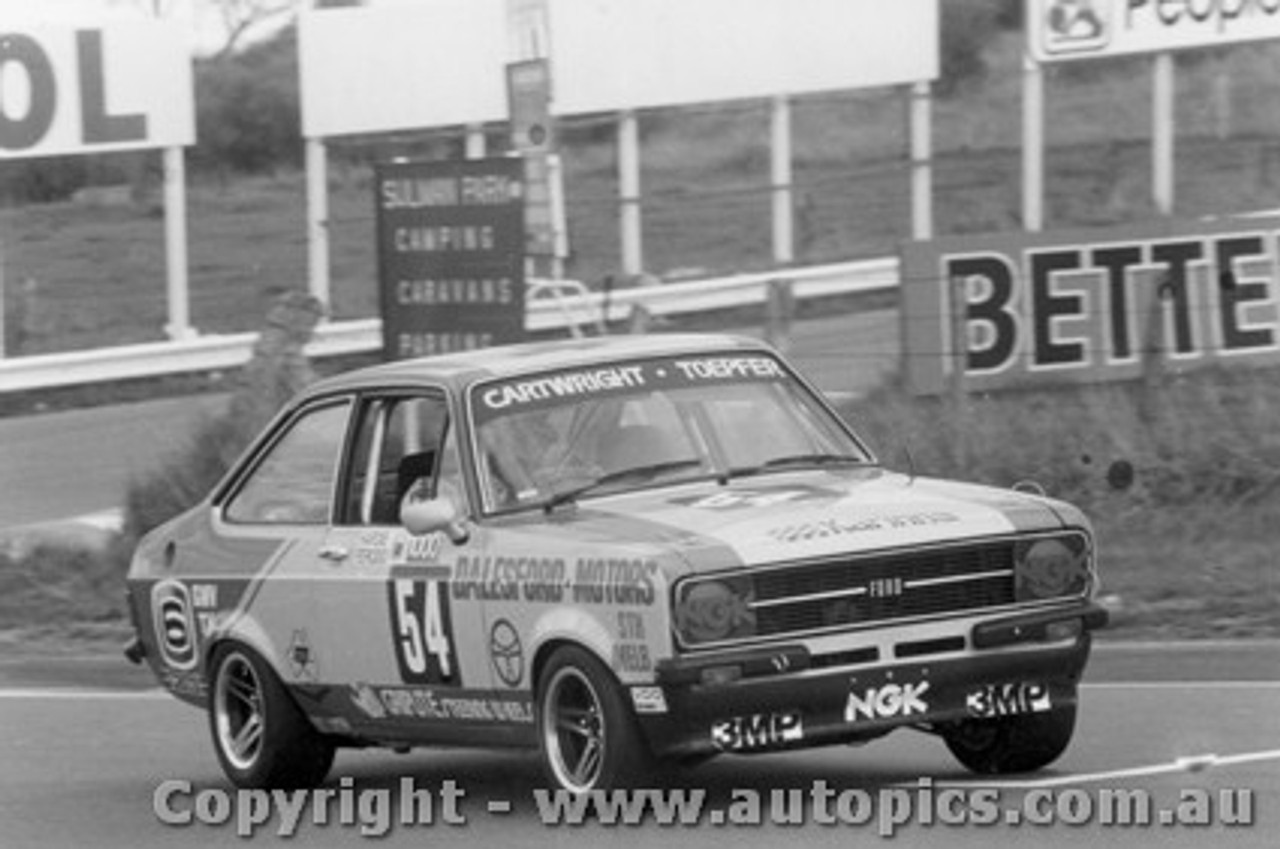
888, 701
1008, 699
757, 731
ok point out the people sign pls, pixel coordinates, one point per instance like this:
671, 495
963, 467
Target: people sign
75, 90
1061, 30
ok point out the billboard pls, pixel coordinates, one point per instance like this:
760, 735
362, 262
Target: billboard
1063, 30
450, 255
66, 89
443, 62
1016, 310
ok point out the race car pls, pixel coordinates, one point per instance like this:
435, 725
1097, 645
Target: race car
620, 551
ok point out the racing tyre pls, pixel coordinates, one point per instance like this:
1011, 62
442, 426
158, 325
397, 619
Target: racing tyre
1011, 743
587, 732
261, 737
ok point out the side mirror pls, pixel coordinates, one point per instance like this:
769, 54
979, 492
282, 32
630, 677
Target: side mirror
435, 515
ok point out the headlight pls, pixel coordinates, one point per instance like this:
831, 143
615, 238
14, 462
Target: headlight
711, 611
1052, 567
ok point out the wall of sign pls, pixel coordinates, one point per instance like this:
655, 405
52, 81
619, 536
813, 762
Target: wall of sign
451, 244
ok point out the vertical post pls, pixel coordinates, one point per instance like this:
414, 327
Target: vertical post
959, 362
1032, 145
175, 237
1162, 134
781, 179
559, 216
629, 192
4, 315
921, 161
317, 221
475, 142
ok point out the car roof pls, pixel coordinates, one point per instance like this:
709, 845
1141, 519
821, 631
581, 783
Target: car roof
465, 367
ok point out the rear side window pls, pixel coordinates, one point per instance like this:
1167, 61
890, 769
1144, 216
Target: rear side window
294, 483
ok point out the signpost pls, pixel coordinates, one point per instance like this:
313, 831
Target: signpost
451, 243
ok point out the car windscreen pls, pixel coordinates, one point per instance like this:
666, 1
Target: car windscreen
599, 430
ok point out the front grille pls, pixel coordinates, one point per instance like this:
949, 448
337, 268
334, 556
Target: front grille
879, 588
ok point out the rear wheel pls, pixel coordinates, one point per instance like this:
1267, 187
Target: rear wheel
261, 737
1012, 743
588, 735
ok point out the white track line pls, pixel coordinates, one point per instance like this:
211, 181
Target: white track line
1193, 763
1180, 685
61, 693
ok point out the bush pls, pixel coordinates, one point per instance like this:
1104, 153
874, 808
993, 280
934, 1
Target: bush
968, 26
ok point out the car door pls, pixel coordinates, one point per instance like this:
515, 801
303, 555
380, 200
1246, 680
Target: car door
405, 658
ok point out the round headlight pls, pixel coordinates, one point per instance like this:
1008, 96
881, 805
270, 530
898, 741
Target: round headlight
710, 611
1051, 568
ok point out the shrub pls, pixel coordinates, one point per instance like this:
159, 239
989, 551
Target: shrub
968, 26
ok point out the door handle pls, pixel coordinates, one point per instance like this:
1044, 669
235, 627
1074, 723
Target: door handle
336, 553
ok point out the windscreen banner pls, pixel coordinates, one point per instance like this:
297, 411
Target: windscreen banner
1089, 306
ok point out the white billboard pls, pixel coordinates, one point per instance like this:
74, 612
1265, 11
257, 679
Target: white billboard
122, 85
372, 70
442, 62
1064, 30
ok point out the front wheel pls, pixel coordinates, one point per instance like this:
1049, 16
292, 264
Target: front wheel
1021, 743
588, 735
261, 737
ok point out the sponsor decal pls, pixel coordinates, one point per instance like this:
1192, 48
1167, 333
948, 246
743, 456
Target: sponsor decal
758, 731
422, 630
1008, 699
372, 549
757, 497
834, 526
174, 624
649, 699
190, 684
467, 706
408, 550
566, 385
507, 578
302, 658
888, 701
367, 702
506, 653
619, 581
631, 651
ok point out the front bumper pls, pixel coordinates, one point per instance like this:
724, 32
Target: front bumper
782, 697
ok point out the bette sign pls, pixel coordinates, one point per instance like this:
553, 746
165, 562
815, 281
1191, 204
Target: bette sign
67, 90
450, 255
1090, 306
1084, 29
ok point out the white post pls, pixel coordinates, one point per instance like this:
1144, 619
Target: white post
629, 192
475, 142
921, 161
175, 238
3, 314
317, 221
559, 215
1032, 145
1162, 134
781, 179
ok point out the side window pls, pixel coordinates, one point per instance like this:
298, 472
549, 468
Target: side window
294, 483
399, 446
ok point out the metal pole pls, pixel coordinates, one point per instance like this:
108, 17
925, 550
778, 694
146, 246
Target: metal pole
475, 141
629, 192
1162, 134
921, 161
317, 221
1032, 144
781, 179
175, 237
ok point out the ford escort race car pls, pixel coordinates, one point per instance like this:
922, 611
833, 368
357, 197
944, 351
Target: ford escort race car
618, 551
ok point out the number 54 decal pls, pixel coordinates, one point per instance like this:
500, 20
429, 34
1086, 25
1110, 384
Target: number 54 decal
422, 631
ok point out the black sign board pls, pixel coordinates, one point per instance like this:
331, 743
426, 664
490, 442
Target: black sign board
451, 246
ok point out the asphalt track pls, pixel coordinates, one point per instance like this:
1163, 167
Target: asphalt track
76, 464
86, 744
